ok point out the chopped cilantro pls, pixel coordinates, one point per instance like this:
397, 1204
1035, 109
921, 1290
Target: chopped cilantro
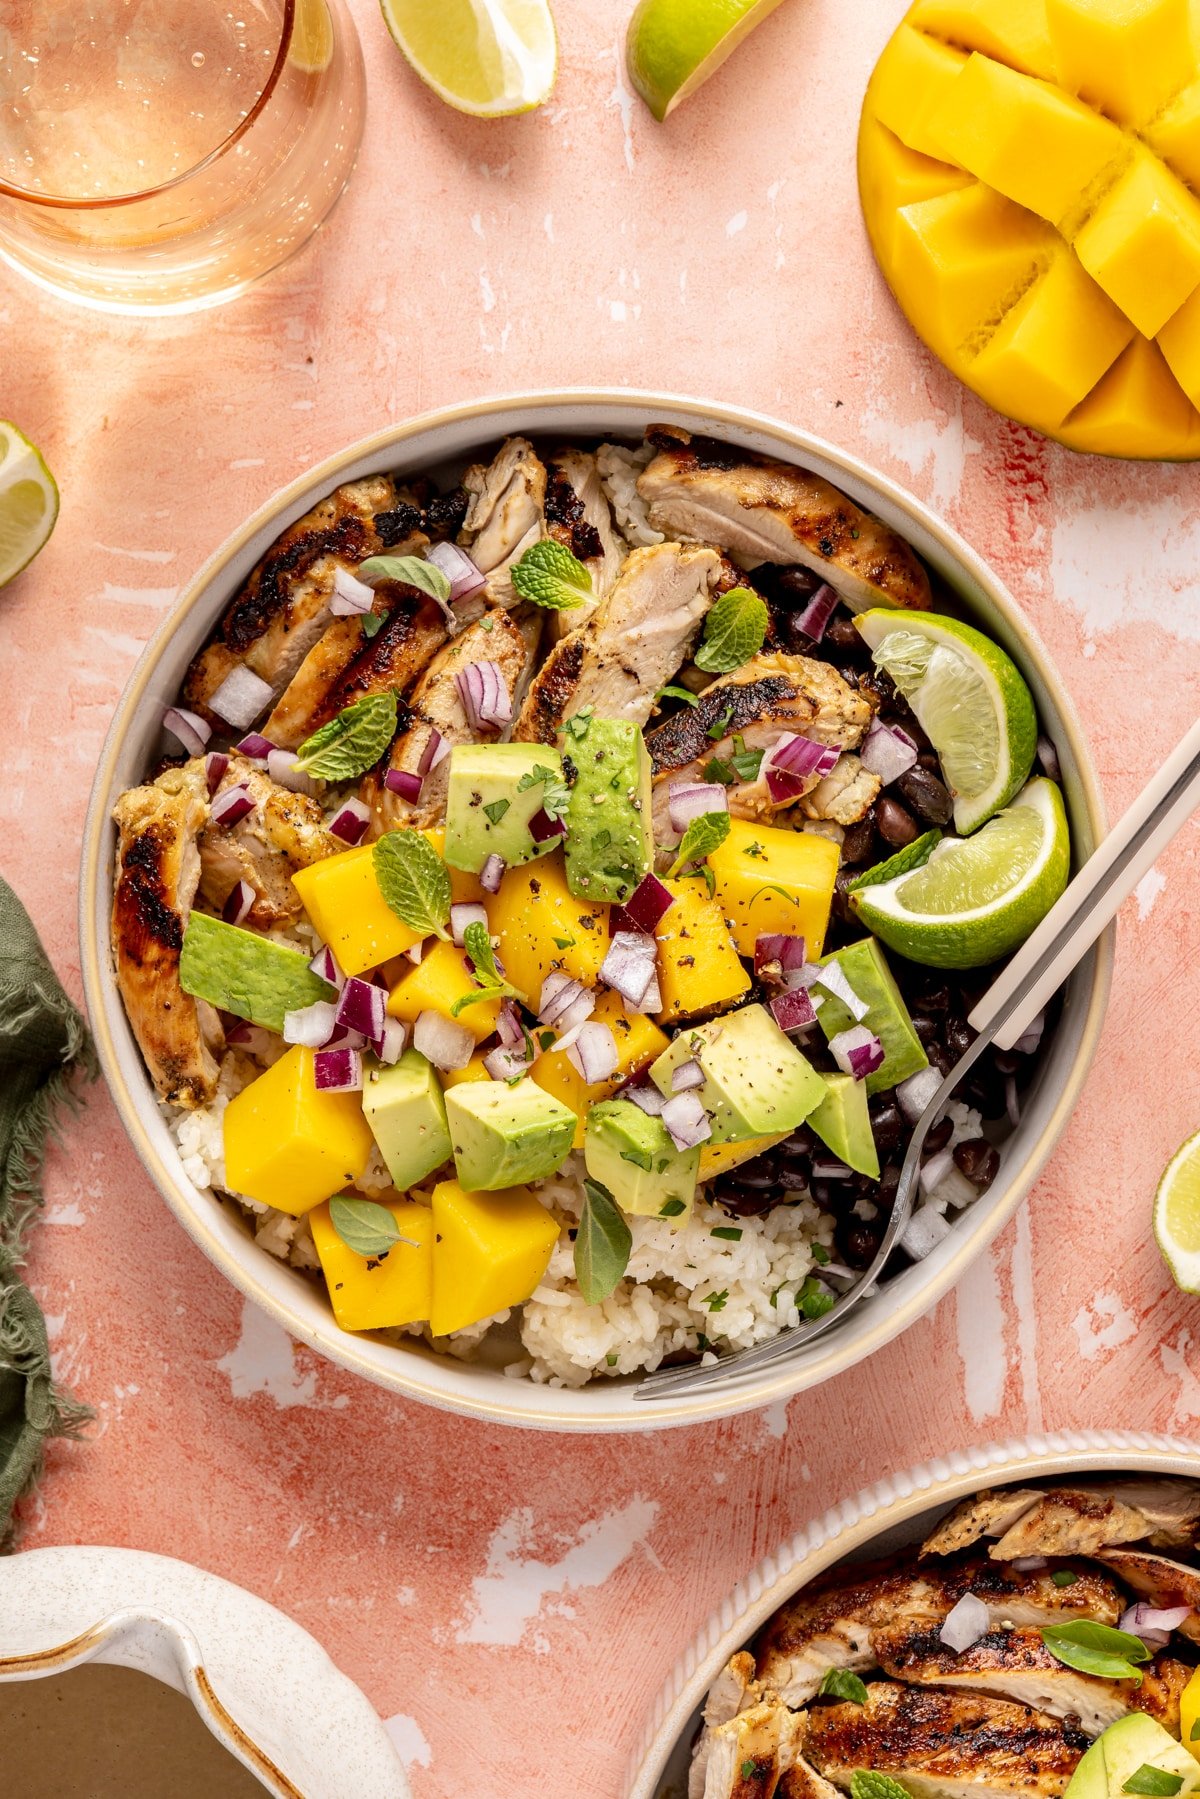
641, 1158
678, 693
729, 1232
716, 1301
1064, 1577
545, 1039
564, 943
672, 1209
814, 1298
372, 624
497, 809
754, 850
720, 725
820, 1254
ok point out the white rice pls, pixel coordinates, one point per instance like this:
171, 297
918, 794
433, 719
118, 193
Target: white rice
619, 469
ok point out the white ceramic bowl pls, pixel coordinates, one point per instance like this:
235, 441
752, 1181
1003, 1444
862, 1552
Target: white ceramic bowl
263, 1686
892, 1514
445, 440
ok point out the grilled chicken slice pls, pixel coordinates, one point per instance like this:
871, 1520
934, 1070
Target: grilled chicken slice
434, 704
768, 697
747, 1756
284, 607
506, 513
1076, 1520
1016, 1664
846, 794
835, 1625
944, 1745
579, 517
763, 511
285, 831
1160, 1581
158, 870
988, 1514
734, 1690
801, 1781
630, 646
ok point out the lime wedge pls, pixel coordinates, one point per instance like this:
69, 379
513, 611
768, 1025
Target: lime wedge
673, 46
28, 501
1177, 1216
970, 701
486, 57
311, 48
976, 898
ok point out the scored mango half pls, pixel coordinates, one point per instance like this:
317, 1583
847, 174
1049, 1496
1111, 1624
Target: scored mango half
1030, 178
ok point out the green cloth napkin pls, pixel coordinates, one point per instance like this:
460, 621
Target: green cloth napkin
43, 1040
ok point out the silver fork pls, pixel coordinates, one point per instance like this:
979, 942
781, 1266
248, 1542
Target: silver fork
1003, 1015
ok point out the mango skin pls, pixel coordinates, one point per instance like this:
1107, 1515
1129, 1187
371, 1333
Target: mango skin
288, 1145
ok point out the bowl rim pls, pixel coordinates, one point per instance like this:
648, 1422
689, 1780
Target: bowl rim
406, 1374
853, 1523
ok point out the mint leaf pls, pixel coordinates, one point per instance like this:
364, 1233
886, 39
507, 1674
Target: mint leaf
734, 630
414, 881
1155, 1781
603, 1244
702, 837
555, 792
868, 1785
352, 742
366, 1228
839, 1683
492, 984
674, 692
550, 576
1097, 1649
913, 855
414, 571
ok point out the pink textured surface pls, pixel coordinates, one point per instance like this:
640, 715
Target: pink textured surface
513, 1601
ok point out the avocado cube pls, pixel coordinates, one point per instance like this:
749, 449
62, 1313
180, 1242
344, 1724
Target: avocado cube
404, 1107
504, 1135
1132, 1743
610, 836
632, 1155
756, 1081
495, 789
843, 1124
245, 974
866, 970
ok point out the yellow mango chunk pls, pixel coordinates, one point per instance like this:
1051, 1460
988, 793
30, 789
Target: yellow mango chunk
638, 1040
1014, 32
719, 1158
909, 85
541, 926
1036, 365
288, 1145
1126, 57
474, 1071
369, 1294
1189, 1714
965, 258
773, 880
1175, 135
1030, 142
490, 1251
891, 177
434, 983
348, 912
1139, 409
1142, 244
698, 966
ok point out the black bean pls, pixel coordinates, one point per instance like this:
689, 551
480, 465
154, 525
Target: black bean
860, 1243
959, 1037
978, 1160
733, 1198
844, 634
927, 796
939, 1058
895, 825
798, 1147
758, 1176
928, 759
928, 1029
858, 842
935, 999
888, 1124
939, 1136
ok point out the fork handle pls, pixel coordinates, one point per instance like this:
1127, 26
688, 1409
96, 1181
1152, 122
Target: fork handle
1093, 898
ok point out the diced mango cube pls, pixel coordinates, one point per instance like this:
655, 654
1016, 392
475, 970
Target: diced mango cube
289, 1145
1124, 56
909, 84
963, 259
379, 1293
719, 1158
698, 966
474, 1071
464, 887
891, 176
1053, 347
350, 914
1175, 135
442, 976
1013, 31
1139, 409
490, 1251
541, 926
638, 1040
1142, 244
774, 880
1030, 142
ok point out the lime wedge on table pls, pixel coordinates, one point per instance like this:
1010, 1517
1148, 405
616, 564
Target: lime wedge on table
976, 898
486, 57
311, 48
28, 501
969, 699
673, 46
1177, 1216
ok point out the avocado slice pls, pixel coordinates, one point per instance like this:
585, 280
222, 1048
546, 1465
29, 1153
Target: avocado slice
404, 1107
632, 1155
756, 1081
495, 789
503, 1136
610, 836
866, 970
1132, 1743
245, 974
843, 1124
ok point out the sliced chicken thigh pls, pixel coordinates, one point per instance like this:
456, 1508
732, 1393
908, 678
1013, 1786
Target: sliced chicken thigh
506, 514
285, 831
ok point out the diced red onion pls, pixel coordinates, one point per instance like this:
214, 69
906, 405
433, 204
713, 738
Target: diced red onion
215, 767
542, 828
888, 752
687, 800
233, 804
935, 1170
646, 1097
642, 910
485, 698
915, 1093
594, 1053
348, 1040
817, 614
463, 575
242, 1034
239, 904
789, 766
240, 698
1012, 1100
1031, 1036
464, 913
1030, 1564
350, 821
1154, 1623
393, 1043
362, 1006
794, 1010
437, 748
776, 949
560, 998
325, 966
686, 1076
923, 1232
491, 874
651, 1000
406, 784
443, 1041
191, 730
686, 1120
509, 1028
286, 772
418, 951
857, 1051
351, 597
506, 1063
834, 981
629, 966
255, 747
338, 1070
314, 1026
1047, 756
830, 1168
965, 1624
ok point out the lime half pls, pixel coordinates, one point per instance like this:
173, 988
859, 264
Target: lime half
486, 57
1177, 1216
970, 701
673, 46
28, 501
976, 898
